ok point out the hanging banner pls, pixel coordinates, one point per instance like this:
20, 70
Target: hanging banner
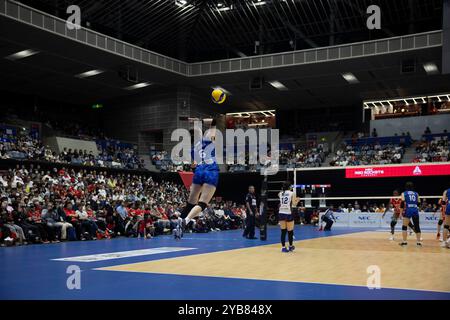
187, 178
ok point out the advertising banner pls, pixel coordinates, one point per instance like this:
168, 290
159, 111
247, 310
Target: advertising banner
428, 220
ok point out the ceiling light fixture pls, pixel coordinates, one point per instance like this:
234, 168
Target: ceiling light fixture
259, 3
431, 68
22, 54
278, 85
180, 3
350, 77
89, 73
138, 85
221, 8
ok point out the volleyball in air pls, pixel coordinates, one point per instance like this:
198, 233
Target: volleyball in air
218, 96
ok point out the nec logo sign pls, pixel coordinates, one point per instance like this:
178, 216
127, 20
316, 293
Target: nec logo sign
364, 218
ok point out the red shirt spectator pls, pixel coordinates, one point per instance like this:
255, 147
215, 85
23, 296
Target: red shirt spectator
70, 213
35, 214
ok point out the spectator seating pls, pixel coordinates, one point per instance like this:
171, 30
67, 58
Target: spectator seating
370, 151
66, 204
433, 148
24, 146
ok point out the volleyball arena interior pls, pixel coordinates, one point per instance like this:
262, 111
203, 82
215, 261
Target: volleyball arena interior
224, 154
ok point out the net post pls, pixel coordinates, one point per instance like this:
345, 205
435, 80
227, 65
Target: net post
263, 210
295, 182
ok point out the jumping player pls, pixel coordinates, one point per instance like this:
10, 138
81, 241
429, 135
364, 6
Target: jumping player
206, 175
443, 207
410, 201
445, 198
285, 218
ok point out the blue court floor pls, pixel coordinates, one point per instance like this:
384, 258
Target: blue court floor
30, 272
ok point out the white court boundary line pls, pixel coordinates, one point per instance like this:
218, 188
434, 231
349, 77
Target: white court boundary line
122, 254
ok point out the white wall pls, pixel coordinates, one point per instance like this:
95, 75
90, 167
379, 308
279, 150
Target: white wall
59, 143
415, 125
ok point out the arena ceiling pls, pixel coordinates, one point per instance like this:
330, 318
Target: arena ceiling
52, 73
201, 30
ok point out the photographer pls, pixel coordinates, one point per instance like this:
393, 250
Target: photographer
328, 218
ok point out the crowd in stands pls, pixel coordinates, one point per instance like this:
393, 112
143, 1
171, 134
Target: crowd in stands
303, 157
435, 150
298, 158
161, 160
39, 206
24, 146
349, 155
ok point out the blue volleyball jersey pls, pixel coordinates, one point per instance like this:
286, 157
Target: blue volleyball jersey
207, 170
411, 199
204, 153
447, 208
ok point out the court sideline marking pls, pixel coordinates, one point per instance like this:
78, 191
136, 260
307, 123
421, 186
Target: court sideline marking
122, 254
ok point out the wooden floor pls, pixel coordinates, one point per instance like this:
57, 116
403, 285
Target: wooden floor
341, 260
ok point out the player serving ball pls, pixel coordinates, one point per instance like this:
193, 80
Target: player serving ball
206, 174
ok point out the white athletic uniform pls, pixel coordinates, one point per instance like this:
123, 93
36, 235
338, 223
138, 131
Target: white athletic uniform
285, 201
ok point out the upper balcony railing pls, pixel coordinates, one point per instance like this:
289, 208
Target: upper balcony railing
47, 22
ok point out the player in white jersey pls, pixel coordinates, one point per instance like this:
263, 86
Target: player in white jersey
285, 218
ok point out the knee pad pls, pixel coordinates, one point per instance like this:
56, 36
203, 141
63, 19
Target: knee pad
202, 205
186, 210
405, 228
447, 227
440, 222
393, 223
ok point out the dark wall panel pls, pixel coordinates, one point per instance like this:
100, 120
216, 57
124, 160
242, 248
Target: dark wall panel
446, 38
